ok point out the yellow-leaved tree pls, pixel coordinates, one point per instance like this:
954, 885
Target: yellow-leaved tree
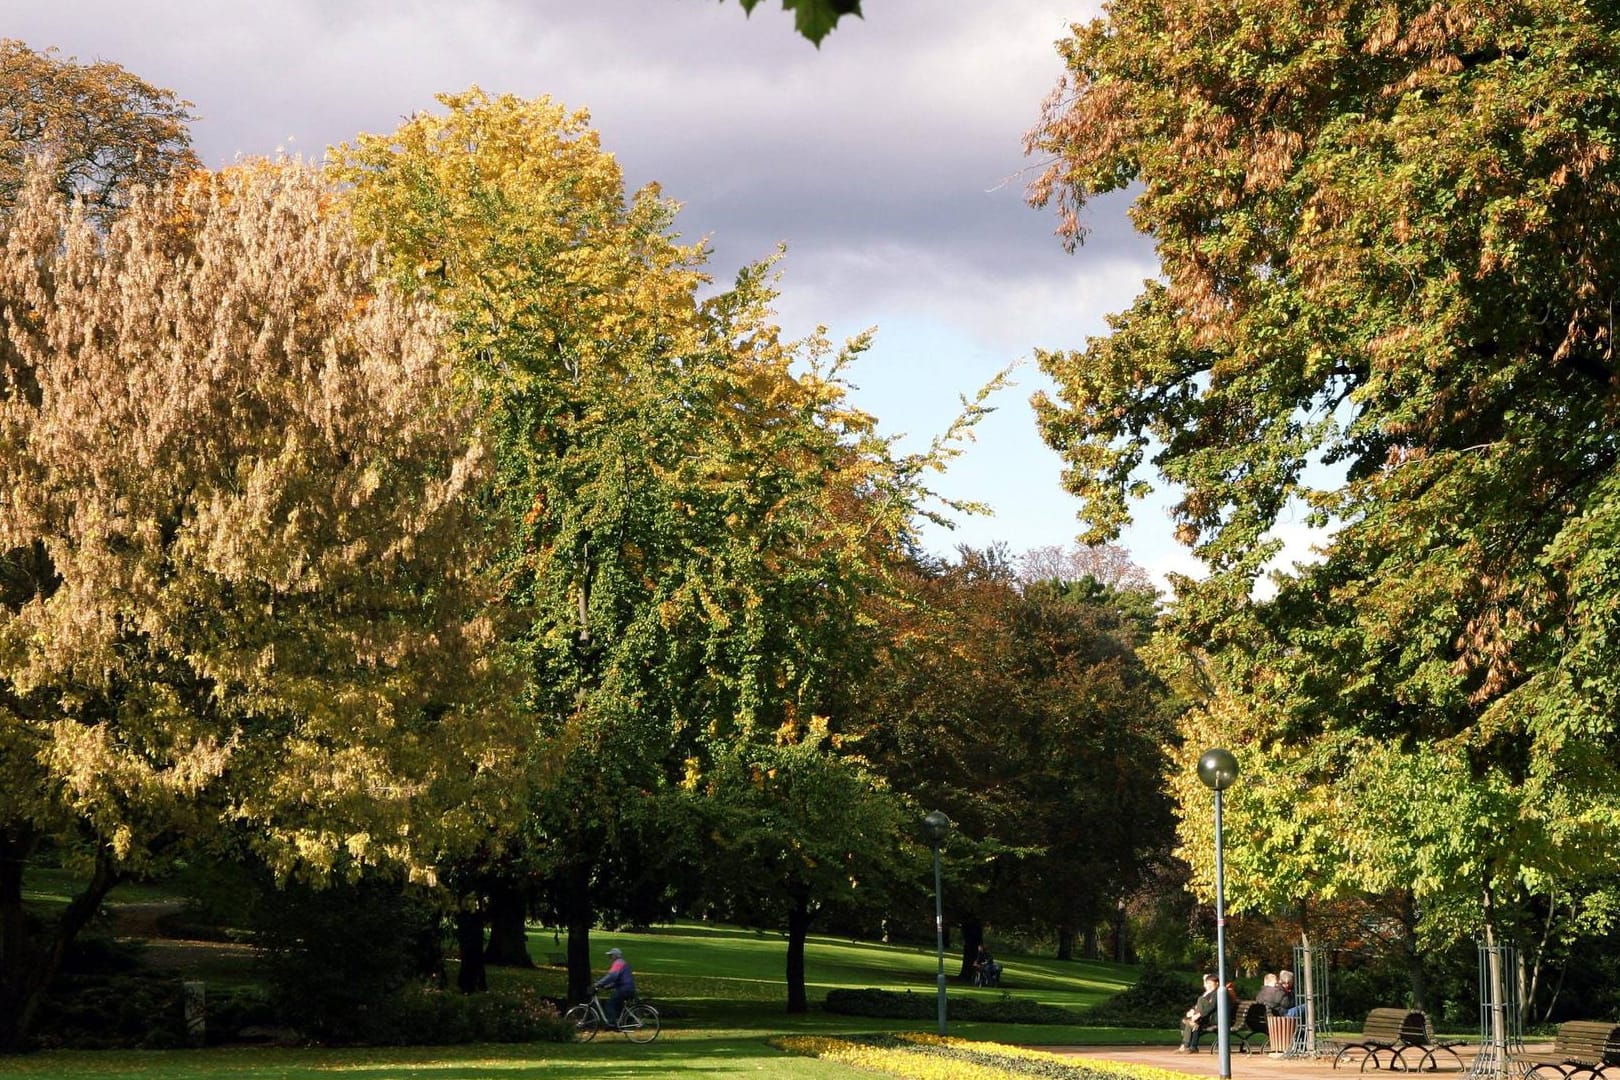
238, 587
697, 518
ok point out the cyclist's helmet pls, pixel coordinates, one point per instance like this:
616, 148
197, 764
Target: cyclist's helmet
615, 953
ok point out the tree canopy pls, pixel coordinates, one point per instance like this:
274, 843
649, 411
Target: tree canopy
697, 522
1023, 712
103, 129
239, 588
1387, 235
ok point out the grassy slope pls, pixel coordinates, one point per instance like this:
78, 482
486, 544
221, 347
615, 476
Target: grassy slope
725, 984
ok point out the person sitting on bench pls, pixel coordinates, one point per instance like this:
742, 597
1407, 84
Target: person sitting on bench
1200, 1018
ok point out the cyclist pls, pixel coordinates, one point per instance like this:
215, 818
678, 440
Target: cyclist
623, 982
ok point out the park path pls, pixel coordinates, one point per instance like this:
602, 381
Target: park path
1244, 1066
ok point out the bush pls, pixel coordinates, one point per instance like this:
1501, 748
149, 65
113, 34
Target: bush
231, 1009
904, 1005
111, 1012
330, 954
1157, 999
1353, 992
423, 1015
98, 953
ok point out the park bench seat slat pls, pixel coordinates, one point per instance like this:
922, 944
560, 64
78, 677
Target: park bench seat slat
1586, 1046
1395, 1031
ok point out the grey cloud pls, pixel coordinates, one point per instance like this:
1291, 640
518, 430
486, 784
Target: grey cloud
889, 160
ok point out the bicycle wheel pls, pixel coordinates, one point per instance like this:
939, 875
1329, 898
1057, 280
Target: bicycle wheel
639, 1023
584, 1020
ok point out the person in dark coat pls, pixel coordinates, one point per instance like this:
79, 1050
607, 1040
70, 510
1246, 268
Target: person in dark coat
986, 972
1273, 997
1200, 1018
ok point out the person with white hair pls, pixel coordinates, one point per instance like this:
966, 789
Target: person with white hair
1200, 1018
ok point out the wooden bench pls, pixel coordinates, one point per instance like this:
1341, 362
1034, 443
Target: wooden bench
1244, 1027
1397, 1039
1249, 1027
1581, 1050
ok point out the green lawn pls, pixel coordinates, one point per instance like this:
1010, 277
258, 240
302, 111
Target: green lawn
676, 1054
738, 974
723, 987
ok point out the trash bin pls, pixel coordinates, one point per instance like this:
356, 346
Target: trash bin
1280, 1033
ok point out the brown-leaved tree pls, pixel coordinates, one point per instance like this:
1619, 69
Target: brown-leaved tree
105, 129
235, 550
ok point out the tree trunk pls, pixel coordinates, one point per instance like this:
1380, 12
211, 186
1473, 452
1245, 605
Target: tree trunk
1065, 943
27, 972
1529, 977
427, 952
1119, 933
1414, 958
471, 979
578, 916
972, 938
798, 929
16, 950
1089, 948
508, 937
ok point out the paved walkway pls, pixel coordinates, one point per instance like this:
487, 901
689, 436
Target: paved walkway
1244, 1066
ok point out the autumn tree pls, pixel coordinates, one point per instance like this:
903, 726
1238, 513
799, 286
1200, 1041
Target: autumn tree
104, 129
238, 584
1387, 235
1108, 565
568, 308
695, 515
1023, 712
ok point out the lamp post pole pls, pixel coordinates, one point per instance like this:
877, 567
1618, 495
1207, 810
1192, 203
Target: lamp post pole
937, 827
1218, 769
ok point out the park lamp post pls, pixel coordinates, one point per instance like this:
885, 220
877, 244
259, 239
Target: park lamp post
1218, 769
936, 827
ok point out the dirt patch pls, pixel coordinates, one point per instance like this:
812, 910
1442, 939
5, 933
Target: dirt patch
143, 919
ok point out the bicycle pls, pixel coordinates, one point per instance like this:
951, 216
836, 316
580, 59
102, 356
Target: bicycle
637, 1022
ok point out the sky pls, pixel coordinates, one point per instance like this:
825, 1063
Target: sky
889, 161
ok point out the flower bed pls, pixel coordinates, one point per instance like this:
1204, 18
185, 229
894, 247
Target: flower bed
929, 1057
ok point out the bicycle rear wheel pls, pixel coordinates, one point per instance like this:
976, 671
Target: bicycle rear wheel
639, 1023
584, 1020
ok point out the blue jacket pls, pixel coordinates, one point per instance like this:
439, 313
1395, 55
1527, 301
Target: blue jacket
619, 977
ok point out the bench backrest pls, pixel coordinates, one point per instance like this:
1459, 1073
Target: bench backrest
1396, 1026
1251, 1015
1588, 1041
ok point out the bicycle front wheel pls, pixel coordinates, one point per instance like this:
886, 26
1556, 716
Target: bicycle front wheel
584, 1021
639, 1023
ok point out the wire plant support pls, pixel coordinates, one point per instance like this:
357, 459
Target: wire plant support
1500, 1029
1314, 1036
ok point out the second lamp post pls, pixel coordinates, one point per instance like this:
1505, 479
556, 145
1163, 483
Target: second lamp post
936, 827
1218, 768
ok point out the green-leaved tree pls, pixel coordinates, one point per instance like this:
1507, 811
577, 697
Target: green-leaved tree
1388, 239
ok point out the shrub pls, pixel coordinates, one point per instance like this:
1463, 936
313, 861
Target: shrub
1157, 999
330, 954
98, 953
423, 1015
112, 1012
